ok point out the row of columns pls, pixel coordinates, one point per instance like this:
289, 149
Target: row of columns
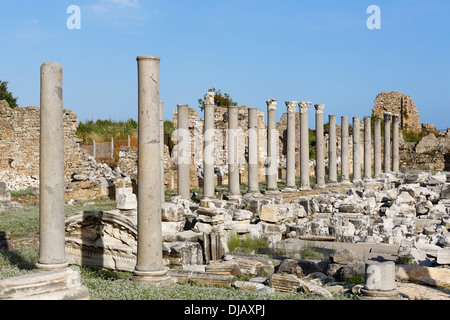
364, 142
150, 267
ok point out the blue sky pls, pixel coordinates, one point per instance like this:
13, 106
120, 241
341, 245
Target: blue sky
319, 51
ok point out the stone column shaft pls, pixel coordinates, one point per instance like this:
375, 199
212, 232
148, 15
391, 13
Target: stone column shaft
208, 147
161, 144
332, 149
356, 149
272, 148
377, 147
395, 143
253, 178
304, 146
387, 141
183, 152
367, 148
290, 147
149, 266
345, 171
320, 143
51, 170
233, 154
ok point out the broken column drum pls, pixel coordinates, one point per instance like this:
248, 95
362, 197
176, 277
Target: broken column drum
253, 147
367, 148
51, 170
332, 151
320, 143
272, 148
380, 280
150, 268
356, 149
345, 172
183, 152
290, 148
304, 146
233, 154
208, 147
387, 141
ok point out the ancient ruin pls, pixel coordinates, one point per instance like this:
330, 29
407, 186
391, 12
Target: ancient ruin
371, 218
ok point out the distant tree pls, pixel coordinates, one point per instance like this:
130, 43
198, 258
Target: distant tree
6, 95
220, 99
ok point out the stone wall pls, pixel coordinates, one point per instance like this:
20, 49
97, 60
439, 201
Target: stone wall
19, 155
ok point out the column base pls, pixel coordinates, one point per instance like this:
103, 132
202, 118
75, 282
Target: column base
380, 295
234, 197
320, 186
289, 190
52, 266
254, 194
154, 278
305, 188
346, 183
332, 184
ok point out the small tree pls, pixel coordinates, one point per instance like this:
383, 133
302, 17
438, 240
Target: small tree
6, 95
220, 100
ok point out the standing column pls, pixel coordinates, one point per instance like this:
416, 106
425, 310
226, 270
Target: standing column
51, 170
377, 147
332, 149
345, 172
320, 153
304, 146
272, 148
208, 147
253, 178
356, 149
367, 148
161, 144
183, 152
387, 141
290, 148
395, 143
233, 155
149, 266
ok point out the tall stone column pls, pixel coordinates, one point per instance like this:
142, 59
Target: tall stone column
149, 268
52, 248
304, 146
208, 147
395, 143
233, 154
320, 144
290, 147
161, 144
253, 150
387, 141
356, 149
345, 171
272, 148
377, 147
367, 148
332, 151
183, 152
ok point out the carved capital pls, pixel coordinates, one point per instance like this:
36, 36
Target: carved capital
209, 98
395, 117
387, 116
271, 104
291, 106
319, 108
304, 105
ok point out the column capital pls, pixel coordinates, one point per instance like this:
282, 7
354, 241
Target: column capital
395, 117
209, 98
182, 105
304, 105
319, 108
387, 116
291, 106
272, 104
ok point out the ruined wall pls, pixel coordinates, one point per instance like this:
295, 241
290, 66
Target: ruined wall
19, 154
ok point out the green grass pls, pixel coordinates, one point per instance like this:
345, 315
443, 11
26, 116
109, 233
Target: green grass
246, 243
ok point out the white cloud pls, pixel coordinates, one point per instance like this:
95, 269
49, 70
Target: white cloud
127, 3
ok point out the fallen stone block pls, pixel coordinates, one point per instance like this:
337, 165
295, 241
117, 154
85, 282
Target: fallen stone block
437, 277
53, 285
285, 283
443, 256
171, 212
230, 268
205, 278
